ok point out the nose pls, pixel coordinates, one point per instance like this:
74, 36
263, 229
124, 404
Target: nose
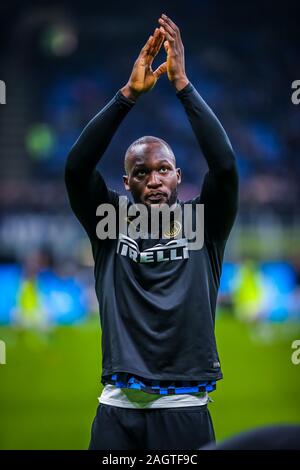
153, 180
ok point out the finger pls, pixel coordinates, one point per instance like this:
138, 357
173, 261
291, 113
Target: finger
156, 38
171, 23
147, 46
168, 36
168, 26
160, 70
160, 41
154, 50
155, 35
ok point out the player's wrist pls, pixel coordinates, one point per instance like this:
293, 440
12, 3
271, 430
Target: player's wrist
130, 93
180, 82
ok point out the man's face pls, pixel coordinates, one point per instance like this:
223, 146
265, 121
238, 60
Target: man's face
151, 174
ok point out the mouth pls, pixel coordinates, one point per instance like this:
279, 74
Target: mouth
156, 197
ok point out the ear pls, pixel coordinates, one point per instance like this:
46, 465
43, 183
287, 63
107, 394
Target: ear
125, 181
178, 172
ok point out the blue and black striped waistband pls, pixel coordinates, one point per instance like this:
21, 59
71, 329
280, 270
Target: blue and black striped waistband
126, 380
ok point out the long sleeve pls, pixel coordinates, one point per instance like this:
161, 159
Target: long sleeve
85, 185
220, 188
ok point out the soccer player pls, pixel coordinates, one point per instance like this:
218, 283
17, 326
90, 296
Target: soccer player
157, 303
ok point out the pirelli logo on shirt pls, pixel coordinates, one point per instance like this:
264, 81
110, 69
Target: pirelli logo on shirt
171, 251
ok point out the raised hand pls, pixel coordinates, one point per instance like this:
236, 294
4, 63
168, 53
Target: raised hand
175, 52
143, 78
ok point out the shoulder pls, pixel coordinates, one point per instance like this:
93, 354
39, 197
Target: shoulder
193, 201
101, 192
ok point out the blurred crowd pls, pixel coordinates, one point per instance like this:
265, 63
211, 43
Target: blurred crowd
62, 62
242, 63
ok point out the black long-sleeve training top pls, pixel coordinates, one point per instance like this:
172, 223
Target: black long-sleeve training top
158, 316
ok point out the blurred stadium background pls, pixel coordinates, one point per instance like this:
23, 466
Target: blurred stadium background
61, 63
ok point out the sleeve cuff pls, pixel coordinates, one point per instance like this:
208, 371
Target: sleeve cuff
188, 88
120, 98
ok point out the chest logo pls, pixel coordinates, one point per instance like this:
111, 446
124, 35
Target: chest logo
171, 251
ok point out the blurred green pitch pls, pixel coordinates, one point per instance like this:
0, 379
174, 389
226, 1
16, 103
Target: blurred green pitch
50, 384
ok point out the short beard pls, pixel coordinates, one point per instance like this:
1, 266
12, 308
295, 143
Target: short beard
170, 201
173, 197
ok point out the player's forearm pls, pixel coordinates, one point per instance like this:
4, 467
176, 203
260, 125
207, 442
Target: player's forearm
96, 136
209, 132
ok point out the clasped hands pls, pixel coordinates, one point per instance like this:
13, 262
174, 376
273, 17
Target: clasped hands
143, 77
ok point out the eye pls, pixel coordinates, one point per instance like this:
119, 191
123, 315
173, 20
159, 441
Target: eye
163, 169
140, 173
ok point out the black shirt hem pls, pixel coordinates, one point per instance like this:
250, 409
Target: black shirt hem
198, 378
